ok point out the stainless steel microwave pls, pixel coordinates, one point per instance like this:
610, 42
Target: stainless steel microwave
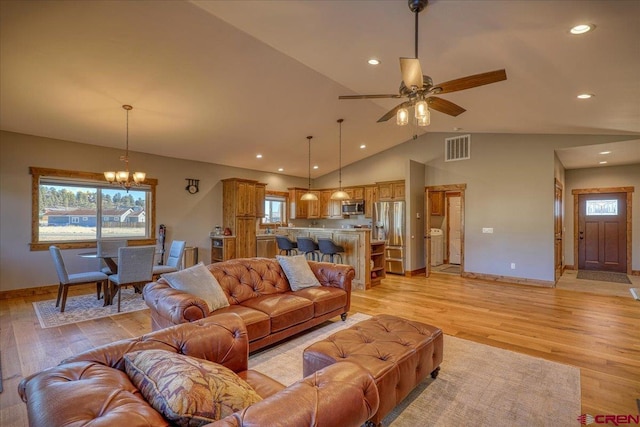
353, 207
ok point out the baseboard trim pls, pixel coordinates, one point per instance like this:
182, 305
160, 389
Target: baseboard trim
508, 279
635, 272
418, 272
28, 292
569, 267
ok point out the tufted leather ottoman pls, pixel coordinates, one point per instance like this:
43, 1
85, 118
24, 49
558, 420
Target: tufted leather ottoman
398, 353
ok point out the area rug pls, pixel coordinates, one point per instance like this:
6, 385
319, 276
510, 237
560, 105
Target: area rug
478, 385
85, 307
603, 276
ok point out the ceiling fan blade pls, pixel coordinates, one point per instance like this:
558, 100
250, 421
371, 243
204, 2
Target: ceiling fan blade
393, 111
471, 81
445, 106
411, 72
368, 96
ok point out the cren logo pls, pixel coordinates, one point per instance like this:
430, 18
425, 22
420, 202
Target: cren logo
586, 419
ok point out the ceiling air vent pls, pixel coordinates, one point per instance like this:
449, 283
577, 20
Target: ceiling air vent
457, 148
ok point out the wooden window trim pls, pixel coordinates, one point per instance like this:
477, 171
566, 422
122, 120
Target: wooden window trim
37, 173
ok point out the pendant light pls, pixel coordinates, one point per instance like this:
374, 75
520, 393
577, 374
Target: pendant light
122, 178
309, 195
340, 194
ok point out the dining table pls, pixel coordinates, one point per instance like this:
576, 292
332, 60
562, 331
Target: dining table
109, 259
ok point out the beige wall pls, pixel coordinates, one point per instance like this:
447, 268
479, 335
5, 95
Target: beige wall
510, 188
187, 217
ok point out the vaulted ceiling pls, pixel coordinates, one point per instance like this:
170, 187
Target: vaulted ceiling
223, 81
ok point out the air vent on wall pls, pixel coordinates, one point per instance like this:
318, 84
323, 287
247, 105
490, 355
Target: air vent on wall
457, 148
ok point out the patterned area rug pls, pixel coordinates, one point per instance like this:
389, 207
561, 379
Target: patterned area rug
85, 307
478, 385
603, 276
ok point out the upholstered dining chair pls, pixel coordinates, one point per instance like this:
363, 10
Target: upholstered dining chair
286, 245
135, 268
174, 260
67, 279
109, 249
309, 248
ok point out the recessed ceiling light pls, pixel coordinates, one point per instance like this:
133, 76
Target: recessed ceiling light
363, 146
258, 156
315, 166
280, 169
604, 162
605, 152
374, 61
585, 96
457, 129
582, 28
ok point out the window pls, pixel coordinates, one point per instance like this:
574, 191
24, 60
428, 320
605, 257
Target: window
275, 208
602, 207
74, 209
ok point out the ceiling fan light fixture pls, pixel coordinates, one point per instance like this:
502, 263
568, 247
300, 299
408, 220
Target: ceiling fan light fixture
402, 117
421, 109
424, 120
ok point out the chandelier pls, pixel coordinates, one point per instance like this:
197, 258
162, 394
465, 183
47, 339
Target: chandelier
123, 178
309, 195
340, 194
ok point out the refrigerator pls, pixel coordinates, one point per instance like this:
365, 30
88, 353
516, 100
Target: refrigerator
389, 225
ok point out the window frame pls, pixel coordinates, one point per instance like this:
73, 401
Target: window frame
89, 178
280, 196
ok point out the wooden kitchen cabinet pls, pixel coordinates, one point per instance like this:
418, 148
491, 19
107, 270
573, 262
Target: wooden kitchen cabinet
391, 190
261, 192
329, 208
370, 198
222, 248
303, 209
355, 193
239, 214
436, 201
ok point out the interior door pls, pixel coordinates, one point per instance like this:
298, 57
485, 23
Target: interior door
558, 244
454, 228
602, 232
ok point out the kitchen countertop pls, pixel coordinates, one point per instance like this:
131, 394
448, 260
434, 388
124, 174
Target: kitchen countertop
325, 229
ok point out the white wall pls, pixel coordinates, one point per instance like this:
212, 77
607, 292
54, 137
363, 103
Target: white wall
414, 192
603, 177
187, 217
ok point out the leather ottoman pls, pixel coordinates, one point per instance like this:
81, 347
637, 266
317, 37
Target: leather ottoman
397, 352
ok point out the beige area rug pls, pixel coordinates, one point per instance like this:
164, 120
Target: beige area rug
603, 276
478, 385
85, 307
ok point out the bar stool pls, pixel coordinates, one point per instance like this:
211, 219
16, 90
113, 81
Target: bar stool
286, 245
328, 247
307, 246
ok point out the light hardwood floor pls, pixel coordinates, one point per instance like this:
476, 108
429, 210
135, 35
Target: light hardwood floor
600, 334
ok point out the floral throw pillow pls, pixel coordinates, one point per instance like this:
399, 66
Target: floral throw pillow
185, 390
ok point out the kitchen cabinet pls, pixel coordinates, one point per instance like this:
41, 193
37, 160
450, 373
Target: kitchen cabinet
370, 198
239, 214
436, 202
222, 248
303, 209
261, 191
355, 193
391, 190
329, 208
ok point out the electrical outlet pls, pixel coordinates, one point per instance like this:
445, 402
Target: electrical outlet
513, 265
487, 230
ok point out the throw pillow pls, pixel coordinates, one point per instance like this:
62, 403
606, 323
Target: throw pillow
298, 272
186, 390
199, 281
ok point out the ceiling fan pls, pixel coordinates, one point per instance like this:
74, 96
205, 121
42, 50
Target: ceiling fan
419, 88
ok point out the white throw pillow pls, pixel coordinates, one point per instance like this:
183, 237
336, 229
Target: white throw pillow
297, 270
199, 281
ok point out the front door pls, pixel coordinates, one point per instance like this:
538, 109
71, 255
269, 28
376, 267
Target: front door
602, 232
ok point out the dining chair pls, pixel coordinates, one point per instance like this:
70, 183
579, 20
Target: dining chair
108, 249
135, 268
174, 260
67, 279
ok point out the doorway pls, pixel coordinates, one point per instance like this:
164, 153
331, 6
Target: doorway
602, 229
444, 213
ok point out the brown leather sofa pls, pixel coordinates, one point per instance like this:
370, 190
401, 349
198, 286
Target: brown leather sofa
92, 388
259, 292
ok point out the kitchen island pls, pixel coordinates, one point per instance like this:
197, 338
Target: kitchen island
356, 243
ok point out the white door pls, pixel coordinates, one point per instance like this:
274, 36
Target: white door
454, 210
